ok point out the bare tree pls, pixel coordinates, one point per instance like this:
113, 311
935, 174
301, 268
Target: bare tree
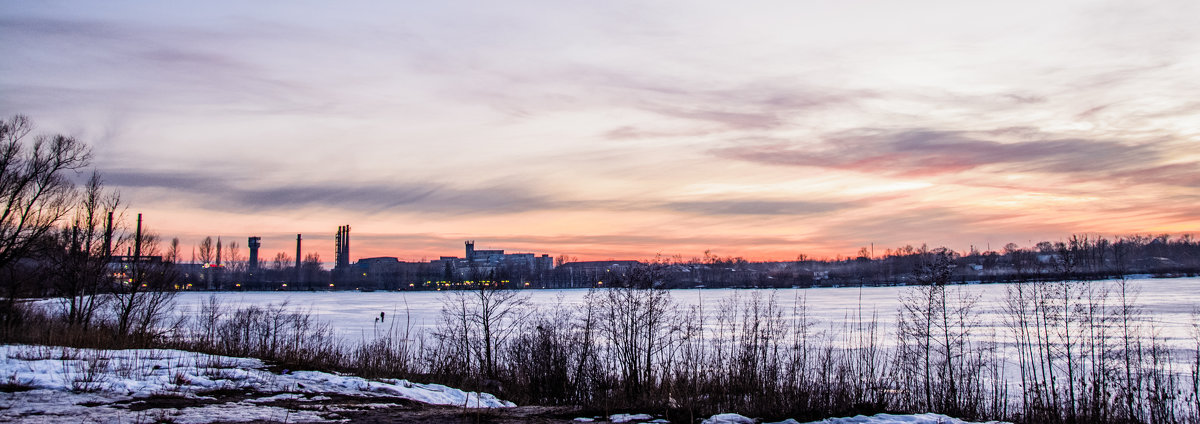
172, 254
80, 262
282, 262
311, 268
234, 261
634, 316
207, 254
35, 190
563, 259
480, 320
934, 330
207, 250
142, 301
36, 196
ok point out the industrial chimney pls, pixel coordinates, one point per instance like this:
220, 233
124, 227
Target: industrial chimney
341, 247
298, 258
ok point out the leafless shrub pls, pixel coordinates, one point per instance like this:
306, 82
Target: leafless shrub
89, 372
14, 384
475, 324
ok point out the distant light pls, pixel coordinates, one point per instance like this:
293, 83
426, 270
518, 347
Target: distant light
330, 284
285, 284
238, 285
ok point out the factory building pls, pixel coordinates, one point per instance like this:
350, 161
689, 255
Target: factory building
372, 273
483, 262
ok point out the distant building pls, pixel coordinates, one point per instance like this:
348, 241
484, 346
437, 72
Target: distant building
378, 266
254, 243
488, 261
120, 268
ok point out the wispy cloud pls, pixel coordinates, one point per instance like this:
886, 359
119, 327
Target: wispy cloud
166, 67
239, 194
925, 152
232, 192
755, 207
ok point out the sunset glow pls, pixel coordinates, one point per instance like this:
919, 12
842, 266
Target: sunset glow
625, 129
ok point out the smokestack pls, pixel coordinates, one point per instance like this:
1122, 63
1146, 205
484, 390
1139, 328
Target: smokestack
108, 232
341, 246
218, 251
137, 241
298, 258
337, 249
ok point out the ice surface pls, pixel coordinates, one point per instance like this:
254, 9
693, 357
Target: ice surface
1169, 302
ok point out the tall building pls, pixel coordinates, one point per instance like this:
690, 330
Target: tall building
254, 243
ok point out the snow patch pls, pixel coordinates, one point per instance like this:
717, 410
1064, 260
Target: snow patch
624, 418
68, 384
728, 419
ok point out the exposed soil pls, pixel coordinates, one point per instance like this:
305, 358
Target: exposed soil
365, 409
451, 415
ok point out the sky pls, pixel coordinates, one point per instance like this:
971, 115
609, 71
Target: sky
624, 129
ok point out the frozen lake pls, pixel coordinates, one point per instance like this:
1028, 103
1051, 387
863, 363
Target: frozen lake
1169, 305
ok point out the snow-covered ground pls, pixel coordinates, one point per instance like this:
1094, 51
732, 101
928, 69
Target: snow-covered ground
55, 384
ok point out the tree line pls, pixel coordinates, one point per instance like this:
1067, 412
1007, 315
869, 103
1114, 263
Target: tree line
1080, 257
